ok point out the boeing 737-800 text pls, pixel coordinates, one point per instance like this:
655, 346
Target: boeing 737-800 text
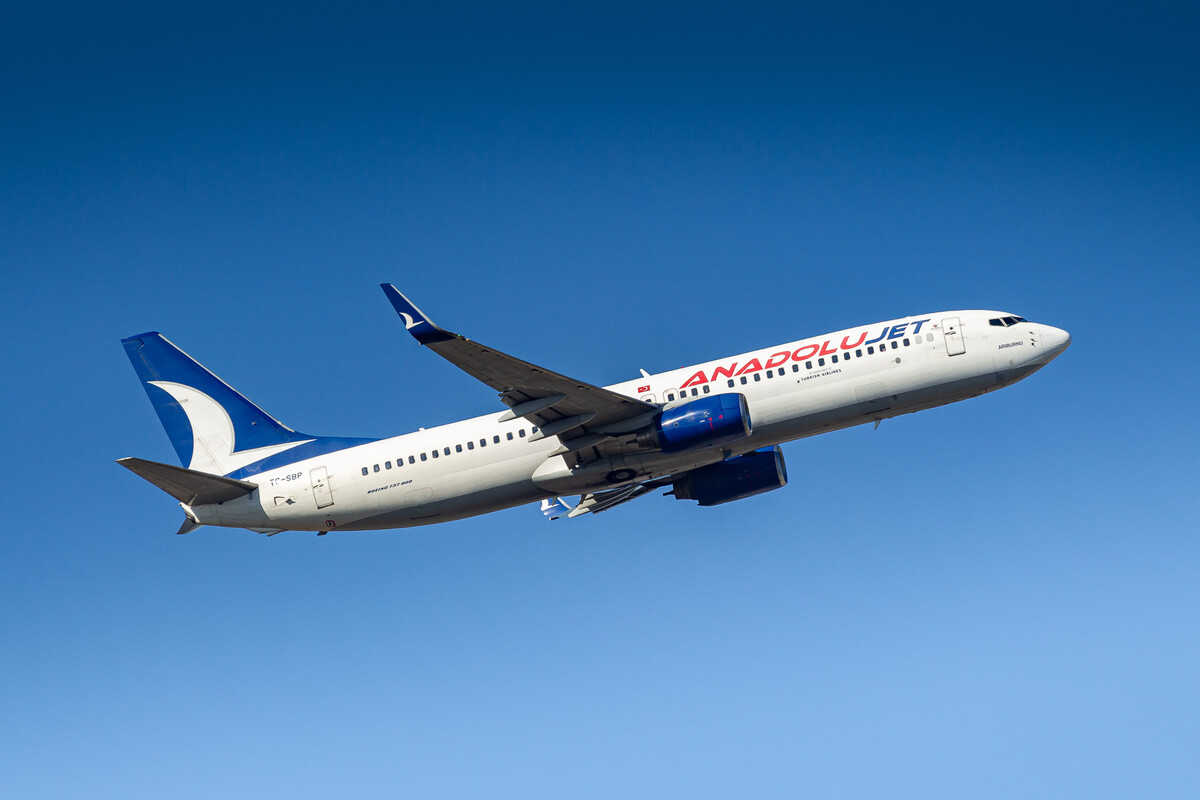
710, 431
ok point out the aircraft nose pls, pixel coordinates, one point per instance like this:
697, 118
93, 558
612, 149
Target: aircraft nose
1054, 341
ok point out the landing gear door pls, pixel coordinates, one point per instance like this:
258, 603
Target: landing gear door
320, 483
955, 346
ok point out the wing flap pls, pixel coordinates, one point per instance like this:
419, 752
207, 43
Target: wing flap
595, 502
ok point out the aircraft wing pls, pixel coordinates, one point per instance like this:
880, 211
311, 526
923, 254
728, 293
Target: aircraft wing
578, 412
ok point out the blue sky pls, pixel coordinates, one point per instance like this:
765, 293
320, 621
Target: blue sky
992, 599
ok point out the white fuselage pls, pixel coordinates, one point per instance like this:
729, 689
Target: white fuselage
798, 389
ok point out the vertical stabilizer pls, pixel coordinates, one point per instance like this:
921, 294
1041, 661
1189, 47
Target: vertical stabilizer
214, 428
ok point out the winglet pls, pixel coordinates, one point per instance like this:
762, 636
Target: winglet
415, 321
554, 508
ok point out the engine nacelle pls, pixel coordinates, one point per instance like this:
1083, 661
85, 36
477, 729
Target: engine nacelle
744, 476
705, 422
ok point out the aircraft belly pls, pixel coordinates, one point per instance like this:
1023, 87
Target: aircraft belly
459, 506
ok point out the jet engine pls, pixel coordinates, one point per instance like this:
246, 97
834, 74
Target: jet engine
743, 476
705, 422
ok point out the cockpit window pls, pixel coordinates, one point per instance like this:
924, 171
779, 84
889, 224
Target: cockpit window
1005, 322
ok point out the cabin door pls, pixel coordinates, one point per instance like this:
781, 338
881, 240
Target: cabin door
320, 483
955, 346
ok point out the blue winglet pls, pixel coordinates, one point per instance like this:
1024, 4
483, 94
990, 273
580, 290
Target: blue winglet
415, 322
555, 507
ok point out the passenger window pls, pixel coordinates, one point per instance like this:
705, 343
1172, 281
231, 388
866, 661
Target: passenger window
496, 438
483, 442
424, 458
706, 389
795, 367
470, 445
533, 429
895, 345
434, 453
820, 362
743, 380
833, 359
929, 337
858, 353
670, 396
695, 392
731, 383
400, 462
377, 468
758, 376
871, 350
366, 471
458, 448
906, 342
510, 436
808, 365
447, 451
387, 465
413, 459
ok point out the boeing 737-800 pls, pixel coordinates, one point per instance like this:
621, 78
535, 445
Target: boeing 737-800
711, 432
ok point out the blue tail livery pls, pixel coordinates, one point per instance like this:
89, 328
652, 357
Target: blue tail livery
213, 427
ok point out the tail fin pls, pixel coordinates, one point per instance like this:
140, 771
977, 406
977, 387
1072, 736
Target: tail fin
214, 428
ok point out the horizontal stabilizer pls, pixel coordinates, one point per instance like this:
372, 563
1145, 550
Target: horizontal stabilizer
186, 485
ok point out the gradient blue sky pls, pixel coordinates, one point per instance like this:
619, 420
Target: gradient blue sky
994, 599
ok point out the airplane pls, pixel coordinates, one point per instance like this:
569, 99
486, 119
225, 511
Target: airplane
710, 432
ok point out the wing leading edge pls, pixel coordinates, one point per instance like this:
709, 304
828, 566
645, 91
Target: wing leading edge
579, 413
